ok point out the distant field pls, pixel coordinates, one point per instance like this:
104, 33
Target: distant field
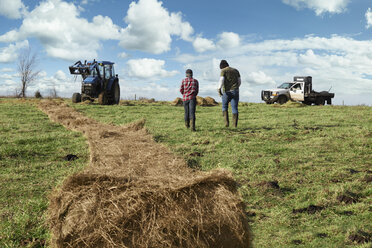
303, 172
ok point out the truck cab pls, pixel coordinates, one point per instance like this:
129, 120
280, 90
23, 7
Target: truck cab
300, 90
279, 94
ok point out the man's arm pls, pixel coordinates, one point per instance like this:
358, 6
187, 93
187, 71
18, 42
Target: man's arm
197, 87
220, 85
182, 89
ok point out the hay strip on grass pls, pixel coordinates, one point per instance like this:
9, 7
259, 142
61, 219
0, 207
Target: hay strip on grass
136, 193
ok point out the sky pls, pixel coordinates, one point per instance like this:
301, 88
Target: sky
153, 42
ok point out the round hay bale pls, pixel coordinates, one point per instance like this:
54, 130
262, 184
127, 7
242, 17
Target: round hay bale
211, 101
145, 100
200, 101
177, 102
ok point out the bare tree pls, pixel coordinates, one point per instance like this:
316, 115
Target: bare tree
53, 92
27, 62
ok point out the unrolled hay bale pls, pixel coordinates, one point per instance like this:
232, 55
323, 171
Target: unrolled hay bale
135, 193
177, 102
93, 210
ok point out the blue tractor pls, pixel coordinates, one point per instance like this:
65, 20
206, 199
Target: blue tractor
99, 81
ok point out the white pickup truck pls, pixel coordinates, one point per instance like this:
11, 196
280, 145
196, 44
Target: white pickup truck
299, 90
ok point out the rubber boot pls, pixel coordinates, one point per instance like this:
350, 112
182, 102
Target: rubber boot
226, 118
193, 125
235, 120
187, 124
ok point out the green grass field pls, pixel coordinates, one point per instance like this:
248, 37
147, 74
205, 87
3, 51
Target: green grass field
303, 172
32, 151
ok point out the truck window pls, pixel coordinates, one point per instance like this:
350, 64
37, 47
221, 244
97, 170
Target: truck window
297, 87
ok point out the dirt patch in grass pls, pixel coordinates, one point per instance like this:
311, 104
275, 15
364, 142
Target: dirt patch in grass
136, 193
312, 209
348, 197
70, 157
321, 235
269, 184
367, 179
196, 154
352, 171
296, 242
360, 237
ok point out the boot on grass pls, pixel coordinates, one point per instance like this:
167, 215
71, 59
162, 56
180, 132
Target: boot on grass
187, 123
193, 125
226, 118
235, 120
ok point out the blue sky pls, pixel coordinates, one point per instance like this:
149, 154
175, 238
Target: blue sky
153, 42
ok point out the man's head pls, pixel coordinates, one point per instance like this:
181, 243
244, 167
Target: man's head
223, 64
188, 73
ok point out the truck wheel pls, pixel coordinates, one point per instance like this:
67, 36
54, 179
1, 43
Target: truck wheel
282, 99
115, 93
329, 101
76, 97
319, 101
102, 98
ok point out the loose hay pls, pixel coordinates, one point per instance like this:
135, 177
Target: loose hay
135, 193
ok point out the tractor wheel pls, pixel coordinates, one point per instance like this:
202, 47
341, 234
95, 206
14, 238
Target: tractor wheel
319, 101
282, 99
102, 98
115, 93
76, 97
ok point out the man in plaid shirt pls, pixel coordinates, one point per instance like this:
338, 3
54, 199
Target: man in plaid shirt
189, 90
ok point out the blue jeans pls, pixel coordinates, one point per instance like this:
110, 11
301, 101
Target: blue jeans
190, 107
233, 97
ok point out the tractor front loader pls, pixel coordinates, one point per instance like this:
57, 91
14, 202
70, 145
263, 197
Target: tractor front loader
98, 81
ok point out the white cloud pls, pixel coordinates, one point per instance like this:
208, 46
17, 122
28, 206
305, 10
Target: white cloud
369, 18
10, 53
6, 76
320, 6
202, 44
228, 40
6, 69
259, 77
13, 9
60, 75
123, 55
151, 27
62, 32
148, 69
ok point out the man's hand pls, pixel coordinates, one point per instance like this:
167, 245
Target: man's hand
219, 92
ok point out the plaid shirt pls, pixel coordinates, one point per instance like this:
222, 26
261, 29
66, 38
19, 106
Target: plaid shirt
189, 88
